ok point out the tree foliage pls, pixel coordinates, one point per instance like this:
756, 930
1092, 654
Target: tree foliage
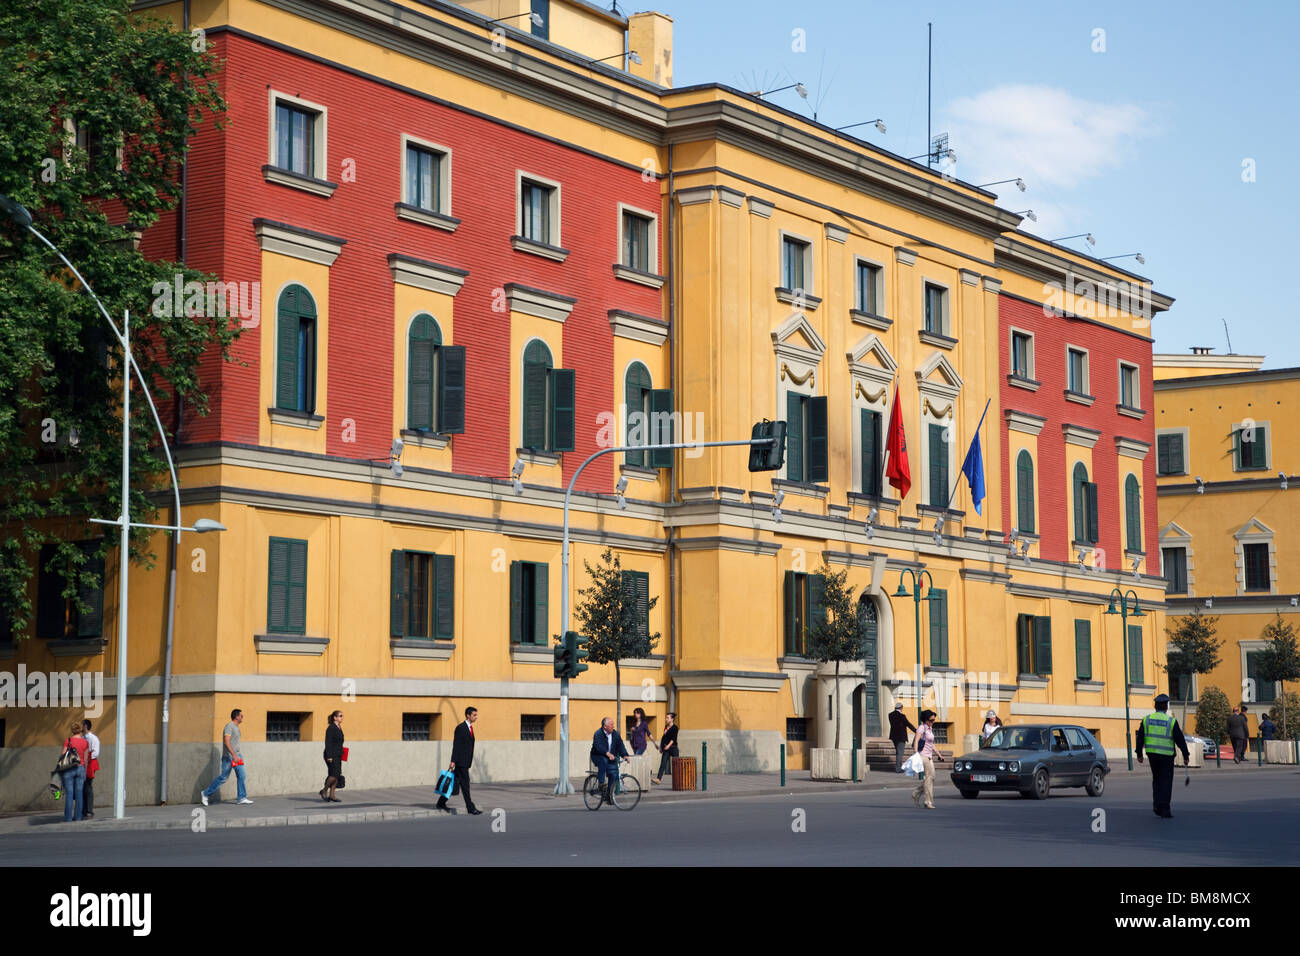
98, 107
1192, 647
1212, 712
1280, 660
1286, 708
835, 636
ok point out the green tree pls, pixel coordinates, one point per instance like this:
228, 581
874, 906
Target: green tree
1280, 660
607, 616
1192, 648
835, 636
1212, 715
98, 107
1287, 703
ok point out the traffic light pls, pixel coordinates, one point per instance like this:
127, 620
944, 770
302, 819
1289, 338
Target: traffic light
575, 648
769, 457
561, 659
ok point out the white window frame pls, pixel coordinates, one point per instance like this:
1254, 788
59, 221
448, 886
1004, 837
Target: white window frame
1254, 531
71, 128
1087, 369
1252, 647
937, 396
810, 278
1123, 364
444, 173
871, 383
945, 307
623, 209
555, 206
1174, 536
1187, 454
1012, 332
858, 262
1268, 448
320, 139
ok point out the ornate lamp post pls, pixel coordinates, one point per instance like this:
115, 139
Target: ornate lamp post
1123, 611
916, 601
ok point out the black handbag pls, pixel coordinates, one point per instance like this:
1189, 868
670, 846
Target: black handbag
70, 760
343, 782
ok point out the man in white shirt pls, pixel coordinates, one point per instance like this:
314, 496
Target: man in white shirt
92, 765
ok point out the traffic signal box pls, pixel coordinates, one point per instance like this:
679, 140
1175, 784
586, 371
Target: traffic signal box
769, 457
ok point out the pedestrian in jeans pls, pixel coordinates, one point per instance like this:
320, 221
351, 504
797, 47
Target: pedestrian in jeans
230, 759
640, 733
667, 746
74, 779
92, 768
925, 747
899, 725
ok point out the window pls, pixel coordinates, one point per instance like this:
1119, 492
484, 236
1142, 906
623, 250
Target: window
1175, 569
1169, 454
548, 396
1132, 514
528, 603
936, 308
1077, 361
6, 626
938, 627
939, 485
805, 438
424, 178
942, 733
295, 138
286, 611
542, 8
795, 254
1025, 492
103, 153
1034, 644
1085, 506
1128, 386
1022, 355
538, 217
422, 599
796, 728
1265, 692
869, 292
1257, 571
804, 607
283, 726
638, 242
60, 617
636, 592
295, 360
1077, 740
1083, 650
417, 727
1250, 443
649, 419
435, 380
1182, 687
1135, 672
532, 727
872, 452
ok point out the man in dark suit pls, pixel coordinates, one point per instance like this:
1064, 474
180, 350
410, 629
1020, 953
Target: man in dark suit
606, 745
899, 725
462, 758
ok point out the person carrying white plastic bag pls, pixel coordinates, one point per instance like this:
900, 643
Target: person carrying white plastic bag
913, 765
927, 754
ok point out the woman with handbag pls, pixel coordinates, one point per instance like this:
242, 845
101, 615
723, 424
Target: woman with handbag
72, 768
667, 746
925, 748
333, 757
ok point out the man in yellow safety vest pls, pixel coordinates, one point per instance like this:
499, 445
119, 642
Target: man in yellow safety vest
1158, 733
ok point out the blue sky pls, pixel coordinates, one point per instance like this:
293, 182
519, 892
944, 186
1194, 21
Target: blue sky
1142, 145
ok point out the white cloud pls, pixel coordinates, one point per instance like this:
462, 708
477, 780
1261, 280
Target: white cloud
1042, 134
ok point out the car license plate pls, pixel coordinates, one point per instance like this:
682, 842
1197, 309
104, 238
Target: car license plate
983, 778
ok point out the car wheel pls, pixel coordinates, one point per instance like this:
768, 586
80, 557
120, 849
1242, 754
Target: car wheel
1042, 786
1096, 782
970, 794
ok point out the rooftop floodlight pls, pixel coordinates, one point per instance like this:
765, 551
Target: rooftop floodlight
878, 123
1028, 214
1128, 255
1020, 183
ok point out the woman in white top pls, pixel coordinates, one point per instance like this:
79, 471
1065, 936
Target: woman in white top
991, 724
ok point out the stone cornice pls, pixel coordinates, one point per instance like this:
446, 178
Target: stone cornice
544, 305
1078, 435
639, 328
1132, 447
305, 244
422, 274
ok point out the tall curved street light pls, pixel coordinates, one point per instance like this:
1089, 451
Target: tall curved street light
19, 214
1124, 611
916, 601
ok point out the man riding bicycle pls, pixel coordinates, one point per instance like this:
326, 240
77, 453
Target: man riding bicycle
606, 748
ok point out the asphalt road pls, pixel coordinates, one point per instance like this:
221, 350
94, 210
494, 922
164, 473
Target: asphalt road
1218, 821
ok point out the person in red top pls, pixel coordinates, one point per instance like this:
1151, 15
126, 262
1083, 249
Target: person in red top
74, 780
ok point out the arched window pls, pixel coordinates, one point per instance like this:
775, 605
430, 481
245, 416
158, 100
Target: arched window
637, 383
1133, 513
1025, 492
1085, 506
422, 349
295, 360
549, 411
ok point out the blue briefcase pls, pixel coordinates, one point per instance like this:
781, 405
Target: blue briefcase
446, 780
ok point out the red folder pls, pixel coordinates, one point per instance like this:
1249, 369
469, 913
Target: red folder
345, 753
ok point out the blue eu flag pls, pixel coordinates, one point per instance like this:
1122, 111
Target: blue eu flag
973, 469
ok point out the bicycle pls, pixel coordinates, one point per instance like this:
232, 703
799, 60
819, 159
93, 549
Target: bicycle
626, 791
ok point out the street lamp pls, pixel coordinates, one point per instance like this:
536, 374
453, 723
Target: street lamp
916, 601
1123, 611
797, 87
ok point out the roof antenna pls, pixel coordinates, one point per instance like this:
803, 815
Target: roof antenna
1226, 335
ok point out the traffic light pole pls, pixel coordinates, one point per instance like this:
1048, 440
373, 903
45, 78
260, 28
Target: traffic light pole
563, 786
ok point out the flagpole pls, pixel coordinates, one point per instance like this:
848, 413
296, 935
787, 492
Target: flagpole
957, 482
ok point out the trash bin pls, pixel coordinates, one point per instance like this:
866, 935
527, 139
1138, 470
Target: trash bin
683, 773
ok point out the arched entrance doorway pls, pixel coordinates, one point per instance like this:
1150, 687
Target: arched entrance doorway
869, 705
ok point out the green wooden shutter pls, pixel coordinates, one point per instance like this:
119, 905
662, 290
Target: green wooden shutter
794, 437
1093, 517
661, 411
1042, 645
1025, 643
297, 602
419, 386
563, 421
1083, 650
451, 389
791, 622
90, 623
535, 380
939, 489
870, 452
627, 593
817, 467
1175, 454
516, 601
1133, 514
277, 611
286, 350
642, 603
397, 596
636, 385
938, 627
1025, 492
1135, 654
1163, 459
444, 596
1080, 498
816, 599
540, 596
